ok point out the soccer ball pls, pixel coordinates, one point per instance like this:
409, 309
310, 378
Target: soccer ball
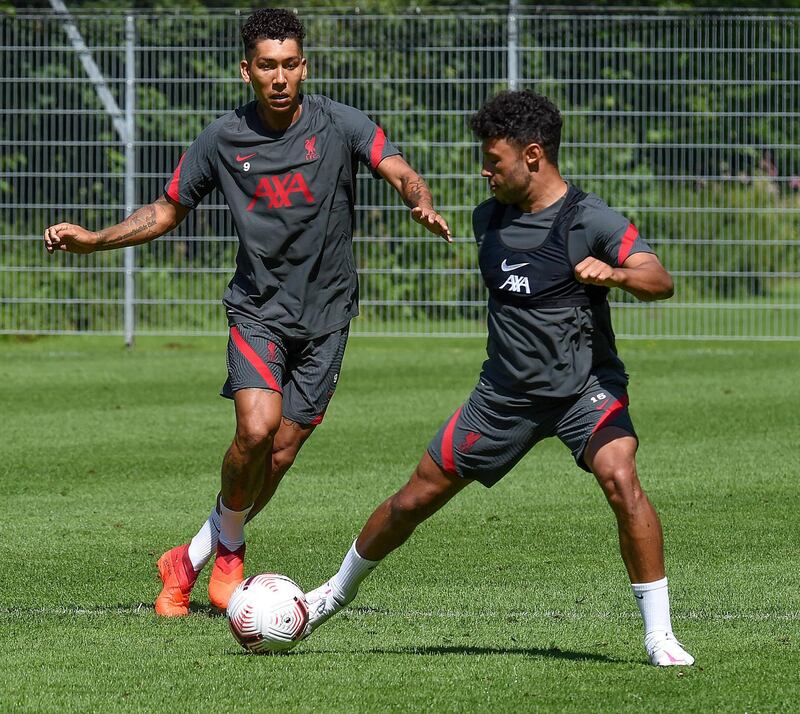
268, 613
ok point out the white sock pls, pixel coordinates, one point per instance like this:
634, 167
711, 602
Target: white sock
653, 601
204, 544
352, 572
231, 531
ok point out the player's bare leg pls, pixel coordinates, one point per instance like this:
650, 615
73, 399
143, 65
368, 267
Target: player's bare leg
243, 468
393, 522
611, 455
285, 446
287, 443
258, 414
389, 526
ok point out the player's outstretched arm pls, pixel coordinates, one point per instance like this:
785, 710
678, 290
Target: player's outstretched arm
415, 194
642, 275
144, 225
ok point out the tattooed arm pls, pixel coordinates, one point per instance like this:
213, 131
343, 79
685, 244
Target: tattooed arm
144, 225
415, 194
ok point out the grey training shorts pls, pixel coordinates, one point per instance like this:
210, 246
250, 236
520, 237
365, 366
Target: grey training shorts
305, 372
489, 434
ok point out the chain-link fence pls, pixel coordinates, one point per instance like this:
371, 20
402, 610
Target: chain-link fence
685, 121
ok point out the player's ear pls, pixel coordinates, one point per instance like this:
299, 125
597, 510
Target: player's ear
303, 76
532, 155
244, 70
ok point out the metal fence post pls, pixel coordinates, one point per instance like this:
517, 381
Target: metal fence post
513, 59
130, 167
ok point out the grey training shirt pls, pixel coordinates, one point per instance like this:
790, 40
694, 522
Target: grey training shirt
291, 195
552, 352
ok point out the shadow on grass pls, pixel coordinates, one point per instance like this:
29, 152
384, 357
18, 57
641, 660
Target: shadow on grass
209, 610
547, 652
196, 608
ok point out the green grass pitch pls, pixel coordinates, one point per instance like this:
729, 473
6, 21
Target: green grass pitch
509, 600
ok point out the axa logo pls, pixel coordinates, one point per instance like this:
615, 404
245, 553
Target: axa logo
311, 148
517, 284
278, 191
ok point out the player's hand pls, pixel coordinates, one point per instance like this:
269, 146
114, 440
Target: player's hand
69, 238
595, 272
431, 220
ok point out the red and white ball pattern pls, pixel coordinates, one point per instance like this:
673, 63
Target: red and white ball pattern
268, 613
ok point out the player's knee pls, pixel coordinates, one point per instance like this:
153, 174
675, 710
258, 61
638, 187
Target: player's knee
283, 457
410, 507
255, 435
620, 485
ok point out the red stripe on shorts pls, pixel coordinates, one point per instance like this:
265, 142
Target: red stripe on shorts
252, 357
317, 420
377, 148
615, 407
448, 457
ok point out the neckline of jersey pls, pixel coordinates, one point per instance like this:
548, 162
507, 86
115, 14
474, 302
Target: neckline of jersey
259, 128
558, 202
552, 208
557, 206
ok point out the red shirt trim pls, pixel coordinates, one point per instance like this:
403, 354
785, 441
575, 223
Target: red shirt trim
627, 243
377, 148
172, 190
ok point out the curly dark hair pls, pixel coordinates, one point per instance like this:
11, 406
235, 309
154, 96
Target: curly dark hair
523, 117
271, 24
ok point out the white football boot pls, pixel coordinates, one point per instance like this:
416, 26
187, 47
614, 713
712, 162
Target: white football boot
665, 651
322, 604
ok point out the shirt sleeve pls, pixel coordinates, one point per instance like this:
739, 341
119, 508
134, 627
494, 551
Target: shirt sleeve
194, 176
366, 140
613, 238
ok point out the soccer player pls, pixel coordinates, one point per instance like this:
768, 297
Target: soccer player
548, 253
286, 165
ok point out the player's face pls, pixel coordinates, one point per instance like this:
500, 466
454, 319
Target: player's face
505, 167
275, 70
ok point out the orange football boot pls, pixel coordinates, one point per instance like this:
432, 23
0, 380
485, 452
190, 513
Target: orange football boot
178, 576
228, 572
